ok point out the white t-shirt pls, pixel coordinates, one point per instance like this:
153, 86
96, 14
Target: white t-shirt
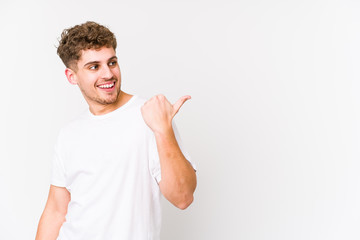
110, 165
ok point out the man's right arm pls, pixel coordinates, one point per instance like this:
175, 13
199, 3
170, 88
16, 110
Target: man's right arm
54, 213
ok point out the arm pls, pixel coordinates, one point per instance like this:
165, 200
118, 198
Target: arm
54, 213
178, 178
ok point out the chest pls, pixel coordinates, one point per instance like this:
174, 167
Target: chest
106, 148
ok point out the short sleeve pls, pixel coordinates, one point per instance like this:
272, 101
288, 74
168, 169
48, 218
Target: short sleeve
154, 155
57, 169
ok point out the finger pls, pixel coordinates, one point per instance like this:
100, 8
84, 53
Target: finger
179, 103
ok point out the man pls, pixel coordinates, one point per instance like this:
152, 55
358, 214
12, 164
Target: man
112, 164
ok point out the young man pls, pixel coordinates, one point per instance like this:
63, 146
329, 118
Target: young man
112, 164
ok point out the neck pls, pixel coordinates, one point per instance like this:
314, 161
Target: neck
101, 109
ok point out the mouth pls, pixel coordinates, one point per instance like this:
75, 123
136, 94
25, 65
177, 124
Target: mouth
107, 87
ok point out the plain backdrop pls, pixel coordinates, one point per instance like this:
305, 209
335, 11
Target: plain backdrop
273, 124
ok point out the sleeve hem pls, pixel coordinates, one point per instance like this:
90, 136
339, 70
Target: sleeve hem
58, 184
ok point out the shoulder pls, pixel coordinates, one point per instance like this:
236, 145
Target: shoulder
139, 100
73, 124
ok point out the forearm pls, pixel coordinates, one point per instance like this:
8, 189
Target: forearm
178, 178
49, 225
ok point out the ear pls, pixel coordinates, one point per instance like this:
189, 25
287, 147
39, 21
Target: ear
71, 76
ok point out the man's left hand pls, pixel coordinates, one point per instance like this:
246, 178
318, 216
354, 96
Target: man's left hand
158, 112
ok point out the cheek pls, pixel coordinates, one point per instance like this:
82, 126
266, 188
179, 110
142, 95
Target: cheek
88, 81
116, 72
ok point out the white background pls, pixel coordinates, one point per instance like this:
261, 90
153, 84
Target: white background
274, 123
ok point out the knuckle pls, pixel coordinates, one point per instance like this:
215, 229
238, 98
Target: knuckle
161, 96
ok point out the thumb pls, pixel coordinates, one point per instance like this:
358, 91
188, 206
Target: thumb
179, 103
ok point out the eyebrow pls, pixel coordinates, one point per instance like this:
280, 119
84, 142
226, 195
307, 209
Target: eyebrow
97, 62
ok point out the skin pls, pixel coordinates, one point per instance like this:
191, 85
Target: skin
178, 178
54, 213
96, 67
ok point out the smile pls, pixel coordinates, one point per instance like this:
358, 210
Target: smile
107, 85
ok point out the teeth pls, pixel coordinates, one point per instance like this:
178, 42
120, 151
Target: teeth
107, 86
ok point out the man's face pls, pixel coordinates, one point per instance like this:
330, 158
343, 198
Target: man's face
98, 76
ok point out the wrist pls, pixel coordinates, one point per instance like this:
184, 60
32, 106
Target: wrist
164, 131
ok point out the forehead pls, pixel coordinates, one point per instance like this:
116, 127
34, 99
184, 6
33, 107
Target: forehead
101, 54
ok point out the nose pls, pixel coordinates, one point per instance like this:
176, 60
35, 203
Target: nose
106, 72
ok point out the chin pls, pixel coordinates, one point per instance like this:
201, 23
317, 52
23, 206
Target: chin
111, 100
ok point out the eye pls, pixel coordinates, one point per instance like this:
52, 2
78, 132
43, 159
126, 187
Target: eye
93, 67
113, 63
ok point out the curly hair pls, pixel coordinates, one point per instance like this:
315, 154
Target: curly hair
89, 35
